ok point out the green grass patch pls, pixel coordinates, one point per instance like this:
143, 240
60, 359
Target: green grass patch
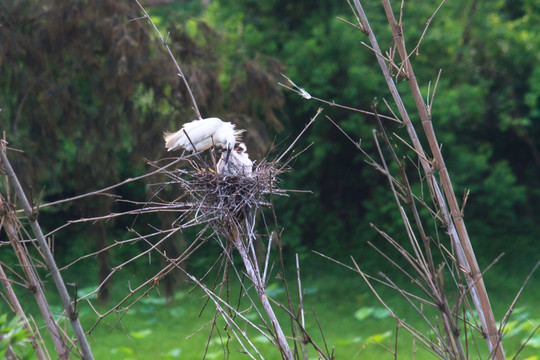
355, 325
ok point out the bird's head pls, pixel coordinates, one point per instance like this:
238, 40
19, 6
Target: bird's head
228, 142
228, 137
224, 136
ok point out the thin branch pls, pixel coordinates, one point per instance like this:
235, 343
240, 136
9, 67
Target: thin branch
417, 47
104, 190
334, 104
180, 73
299, 135
506, 317
526, 342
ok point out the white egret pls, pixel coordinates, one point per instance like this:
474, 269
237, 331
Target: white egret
237, 164
202, 135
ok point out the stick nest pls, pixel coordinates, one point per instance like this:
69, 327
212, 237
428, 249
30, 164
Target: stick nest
223, 201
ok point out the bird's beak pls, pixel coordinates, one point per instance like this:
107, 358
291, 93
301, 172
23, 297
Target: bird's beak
228, 155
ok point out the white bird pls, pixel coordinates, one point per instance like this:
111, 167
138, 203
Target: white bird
237, 164
202, 135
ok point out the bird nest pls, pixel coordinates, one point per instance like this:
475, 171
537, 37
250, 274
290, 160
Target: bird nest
224, 201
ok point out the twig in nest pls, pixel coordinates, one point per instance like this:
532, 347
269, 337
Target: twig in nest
222, 201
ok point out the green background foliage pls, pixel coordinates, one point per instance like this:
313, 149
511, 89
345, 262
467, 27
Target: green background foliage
485, 112
87, 93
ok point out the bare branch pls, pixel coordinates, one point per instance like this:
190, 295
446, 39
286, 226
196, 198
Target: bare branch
49, 259
180, 73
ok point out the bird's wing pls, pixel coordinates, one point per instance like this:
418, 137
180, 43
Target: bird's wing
199, 132
240, 163
246, 160
247, 163
212, 122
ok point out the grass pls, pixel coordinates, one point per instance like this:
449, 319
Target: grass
352, 320
156, 330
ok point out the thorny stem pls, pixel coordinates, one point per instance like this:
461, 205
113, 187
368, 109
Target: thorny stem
104, 190
49, 259
17, 309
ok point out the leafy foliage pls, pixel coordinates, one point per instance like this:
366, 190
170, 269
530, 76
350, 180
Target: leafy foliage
14, 336
485, 111
87, 93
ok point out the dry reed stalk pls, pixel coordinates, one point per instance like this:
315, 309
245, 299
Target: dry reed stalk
427, 267
449, 215
260, 288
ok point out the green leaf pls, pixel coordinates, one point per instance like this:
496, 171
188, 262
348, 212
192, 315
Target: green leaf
141, 334
380, 313
261, 339
274, 290
122, 350
363, 313
349, 341
380, 337
174, 352
214, 355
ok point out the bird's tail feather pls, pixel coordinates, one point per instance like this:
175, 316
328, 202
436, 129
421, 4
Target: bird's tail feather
173, 140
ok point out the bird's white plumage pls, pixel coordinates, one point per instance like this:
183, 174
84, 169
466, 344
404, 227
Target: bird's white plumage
238, 164
203, 134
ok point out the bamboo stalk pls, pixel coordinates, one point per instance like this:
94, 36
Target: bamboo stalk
454, 341
49, 259
474, 278
462, 246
